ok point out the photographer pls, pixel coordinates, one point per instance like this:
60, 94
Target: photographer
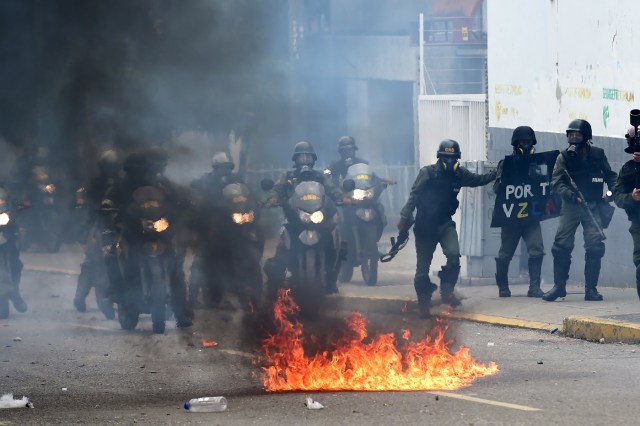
626, 192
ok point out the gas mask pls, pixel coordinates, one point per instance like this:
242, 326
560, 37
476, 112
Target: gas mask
576, 142
449, 164
305, 172
525, 147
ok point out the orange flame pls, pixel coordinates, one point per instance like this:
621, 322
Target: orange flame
353, 364
208, 343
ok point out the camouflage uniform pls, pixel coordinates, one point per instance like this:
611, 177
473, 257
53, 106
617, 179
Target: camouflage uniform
434, 194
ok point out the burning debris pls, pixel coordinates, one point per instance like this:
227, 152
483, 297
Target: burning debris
359, 362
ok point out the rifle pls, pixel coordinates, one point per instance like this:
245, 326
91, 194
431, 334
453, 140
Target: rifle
585, 205
398, 244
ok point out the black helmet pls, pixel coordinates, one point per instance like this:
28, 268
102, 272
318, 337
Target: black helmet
221, 159
449, 148
581, 126
347, 142
523, 133
303, 147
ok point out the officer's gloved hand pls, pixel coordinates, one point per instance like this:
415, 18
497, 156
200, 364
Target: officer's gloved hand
272, 201
635, 194
576, 199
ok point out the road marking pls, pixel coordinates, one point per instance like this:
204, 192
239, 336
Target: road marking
486, 401
64, 271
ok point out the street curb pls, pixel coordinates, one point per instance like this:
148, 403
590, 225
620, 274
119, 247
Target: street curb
594, 329
378, 304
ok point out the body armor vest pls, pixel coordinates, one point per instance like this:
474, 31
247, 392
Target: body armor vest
437, 201
587, 172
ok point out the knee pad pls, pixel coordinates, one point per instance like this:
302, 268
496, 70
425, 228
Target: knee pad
560, 252
595, 252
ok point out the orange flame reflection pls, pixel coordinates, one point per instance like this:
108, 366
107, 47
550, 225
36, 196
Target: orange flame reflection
354, 364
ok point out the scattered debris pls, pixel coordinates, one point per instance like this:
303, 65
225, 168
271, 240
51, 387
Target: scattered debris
64, 389
313, 405
437, 398
540, 362
554, 331
7, 401
491, 344
601, 340
17, 339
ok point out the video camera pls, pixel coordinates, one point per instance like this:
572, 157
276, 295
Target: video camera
633, 140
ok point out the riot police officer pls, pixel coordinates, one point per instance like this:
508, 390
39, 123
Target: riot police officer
144, 169
347, 149
435, 196
589, 169
626, 194
107, 177
304, 158
221, 175
523, 140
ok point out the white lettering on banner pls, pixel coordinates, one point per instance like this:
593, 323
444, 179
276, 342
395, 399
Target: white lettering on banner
597, 180
544, 185
507, 212
518, 191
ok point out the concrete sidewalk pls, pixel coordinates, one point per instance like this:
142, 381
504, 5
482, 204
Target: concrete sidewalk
616, 319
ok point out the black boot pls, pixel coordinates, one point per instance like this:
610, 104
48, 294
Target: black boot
502, 278
18, 301
591, 274
638, 279
561, 267
448, 279
424, 290
535, 267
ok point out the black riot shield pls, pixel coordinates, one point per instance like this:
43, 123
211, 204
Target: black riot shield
524, 193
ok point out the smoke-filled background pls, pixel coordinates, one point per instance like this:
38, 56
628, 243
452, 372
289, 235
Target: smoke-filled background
78, 77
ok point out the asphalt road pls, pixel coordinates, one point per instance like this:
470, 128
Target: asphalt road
79, 368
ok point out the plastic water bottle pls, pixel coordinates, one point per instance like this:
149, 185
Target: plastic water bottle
207, 404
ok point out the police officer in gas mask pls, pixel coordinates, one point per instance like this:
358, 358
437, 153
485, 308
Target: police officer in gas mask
589, 169
523, 140
435, 196
347, 149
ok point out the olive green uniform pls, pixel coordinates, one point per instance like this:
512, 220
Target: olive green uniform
628, 180
510, 236
589, 172
434, 194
